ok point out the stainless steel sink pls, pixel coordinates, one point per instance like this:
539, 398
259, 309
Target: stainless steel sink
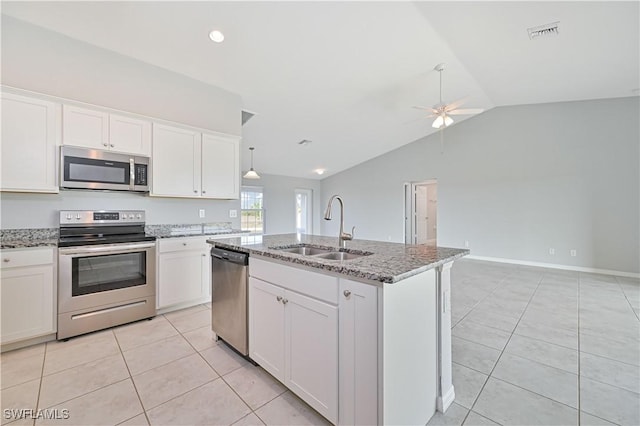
339, 255
305, 251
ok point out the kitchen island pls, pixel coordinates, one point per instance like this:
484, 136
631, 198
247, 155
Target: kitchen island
363, 341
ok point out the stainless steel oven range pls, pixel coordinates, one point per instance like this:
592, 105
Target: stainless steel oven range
106, 270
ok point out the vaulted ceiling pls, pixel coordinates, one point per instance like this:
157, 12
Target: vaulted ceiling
346, 74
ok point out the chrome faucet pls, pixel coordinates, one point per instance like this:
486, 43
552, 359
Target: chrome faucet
343, 237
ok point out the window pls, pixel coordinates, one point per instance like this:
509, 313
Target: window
252, 209
304, 218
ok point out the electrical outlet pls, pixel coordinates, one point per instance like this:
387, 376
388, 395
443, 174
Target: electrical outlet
233, 213
201, 213
574, 253
466, 244
552, 251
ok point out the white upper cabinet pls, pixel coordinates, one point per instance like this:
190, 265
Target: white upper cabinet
100, 130
30, 136
220, 166
85, 127
131, 135
187, 163
175, 162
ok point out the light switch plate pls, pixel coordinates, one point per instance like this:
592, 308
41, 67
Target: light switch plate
233, 213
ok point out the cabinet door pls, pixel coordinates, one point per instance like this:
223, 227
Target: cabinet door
220, 166
175, 162
266, 326
358, 353
181, 277
129, 135
30, 135
311, 352
85, 127
28, 303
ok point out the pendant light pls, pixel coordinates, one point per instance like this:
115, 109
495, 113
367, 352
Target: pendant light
251, 174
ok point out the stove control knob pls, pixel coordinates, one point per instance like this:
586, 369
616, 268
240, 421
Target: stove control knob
131, 216
139, 216
78, 217
68, 216
123, 216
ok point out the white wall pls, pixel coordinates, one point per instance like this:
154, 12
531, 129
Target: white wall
43, 61
514, 182
279, 201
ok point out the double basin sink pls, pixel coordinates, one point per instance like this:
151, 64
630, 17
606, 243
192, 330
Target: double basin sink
322, 253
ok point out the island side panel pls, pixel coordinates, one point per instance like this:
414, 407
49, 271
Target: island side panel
446, 393
409, 350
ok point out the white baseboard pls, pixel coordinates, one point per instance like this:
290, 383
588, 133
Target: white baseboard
443, 402
555, 266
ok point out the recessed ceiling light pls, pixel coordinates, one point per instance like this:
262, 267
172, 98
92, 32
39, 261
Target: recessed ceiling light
319, 171
216, 36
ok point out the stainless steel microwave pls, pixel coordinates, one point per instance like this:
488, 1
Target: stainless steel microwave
85, 168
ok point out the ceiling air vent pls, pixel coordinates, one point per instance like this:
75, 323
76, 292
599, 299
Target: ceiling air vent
546, 30
246, 116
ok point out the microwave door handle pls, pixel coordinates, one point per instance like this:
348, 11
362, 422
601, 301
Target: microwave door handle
132, 173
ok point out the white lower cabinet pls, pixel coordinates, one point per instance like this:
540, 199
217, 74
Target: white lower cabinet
183, 271
28, 294
294, 336
358, 343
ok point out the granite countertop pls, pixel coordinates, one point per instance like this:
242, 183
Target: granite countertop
388, 263
28, 238
48, 237
192, 230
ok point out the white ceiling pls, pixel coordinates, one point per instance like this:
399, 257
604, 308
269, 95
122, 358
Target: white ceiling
345, 74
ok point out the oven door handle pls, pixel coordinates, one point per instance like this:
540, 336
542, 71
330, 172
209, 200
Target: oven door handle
105, 249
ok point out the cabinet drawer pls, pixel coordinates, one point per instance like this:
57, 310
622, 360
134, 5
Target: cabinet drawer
320, 286
182, 244
30, 257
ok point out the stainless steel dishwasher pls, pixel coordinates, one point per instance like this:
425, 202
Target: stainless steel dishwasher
229, 298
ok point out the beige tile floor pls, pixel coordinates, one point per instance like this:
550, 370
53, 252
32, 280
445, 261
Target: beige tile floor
534, 346
167, 371
531, 346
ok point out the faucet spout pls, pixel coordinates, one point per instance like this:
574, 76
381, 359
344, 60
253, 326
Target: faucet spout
343, 236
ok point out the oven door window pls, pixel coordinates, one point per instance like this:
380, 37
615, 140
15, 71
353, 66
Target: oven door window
93, 274
93, 170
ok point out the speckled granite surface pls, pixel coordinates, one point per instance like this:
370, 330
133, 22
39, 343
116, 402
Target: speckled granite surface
389, 263
190, 230
25, 238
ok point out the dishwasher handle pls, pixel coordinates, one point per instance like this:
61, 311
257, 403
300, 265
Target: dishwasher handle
230, 256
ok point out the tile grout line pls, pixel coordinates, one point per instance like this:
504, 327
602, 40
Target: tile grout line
624, 293
502, 352
132, 381
579, 356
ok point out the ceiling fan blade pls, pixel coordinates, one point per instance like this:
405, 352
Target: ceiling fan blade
424, 108
455, 105
466, 111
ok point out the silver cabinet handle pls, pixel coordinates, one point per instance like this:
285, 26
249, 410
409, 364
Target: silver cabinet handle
285, 301
204, 255
204, 192
6, 260
112, 145
184, 244
346, 293
105, 144
279, 298
195, 191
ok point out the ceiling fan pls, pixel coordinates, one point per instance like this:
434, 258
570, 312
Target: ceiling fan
443, 112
